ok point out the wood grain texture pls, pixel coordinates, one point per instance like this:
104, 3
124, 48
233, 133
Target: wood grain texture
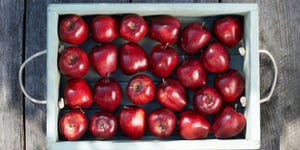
11, 99
279, 33
35, 75
174, 1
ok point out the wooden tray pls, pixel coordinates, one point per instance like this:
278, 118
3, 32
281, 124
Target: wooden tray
248, 65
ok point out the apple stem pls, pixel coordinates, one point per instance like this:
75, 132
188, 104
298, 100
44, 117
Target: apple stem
235, 106
166, 45
107, 76
163, 80
242, 42
183, 57
81, 110
203, 23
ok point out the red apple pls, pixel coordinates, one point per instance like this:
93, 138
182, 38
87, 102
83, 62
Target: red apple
73, 30
133, 28
230, 85
228, 30
164, 29
207, 101
73, 62
104, 29
191, 73
161, 122
133, 58
192, 125
132, 120
228, 123
171, 94
104, 59
103, 125
73, 125
193, 37
163, 60
77, 94
215, 58
140, 89
107, 94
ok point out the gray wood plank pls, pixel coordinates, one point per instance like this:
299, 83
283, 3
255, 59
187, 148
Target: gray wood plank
11, 99
35, 75
279, 33
174, 1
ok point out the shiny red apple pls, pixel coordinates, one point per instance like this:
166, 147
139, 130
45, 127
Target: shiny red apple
207, 101
104, 59
193, 125
171, 94
163, 60
133, 58
228, 123
73, 29
193, 37
132, 120
104, 29
140, 89
191, 73
103, 125
73, 125
77, 94
73, 62
230, 85
228, 30
161, 122
107, 94
133, 28
215, 58
164, 29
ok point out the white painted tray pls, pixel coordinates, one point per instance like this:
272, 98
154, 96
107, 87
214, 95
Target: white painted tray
249, 66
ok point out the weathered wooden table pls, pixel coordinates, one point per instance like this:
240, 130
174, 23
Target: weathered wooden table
23, 33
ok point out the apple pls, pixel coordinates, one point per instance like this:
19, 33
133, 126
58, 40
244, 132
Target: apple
133, 58
171, 94
163, 60
193, 125
104, 29
230, 85
132, 120
103, 125
161, 122
140, 89
207, 101
73, 30
133, 28
104, 59
164, 29
77, 94
107, 94
228, 123
228, 30
193, 37
73, 62
191, 73
215, 58
73, 125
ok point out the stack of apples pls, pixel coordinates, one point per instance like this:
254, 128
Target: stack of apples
201, 55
